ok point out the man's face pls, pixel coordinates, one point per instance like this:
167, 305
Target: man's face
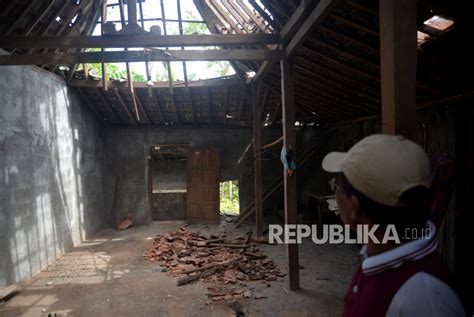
347, 207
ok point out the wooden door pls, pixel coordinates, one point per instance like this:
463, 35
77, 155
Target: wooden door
203, 186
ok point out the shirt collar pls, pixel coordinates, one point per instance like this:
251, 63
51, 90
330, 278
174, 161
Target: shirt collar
410, 251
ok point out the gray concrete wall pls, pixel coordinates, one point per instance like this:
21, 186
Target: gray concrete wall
169, 175
51, 170
127, 165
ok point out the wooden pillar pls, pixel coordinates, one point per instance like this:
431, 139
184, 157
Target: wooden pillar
398, 50
289, 140
257, 144
132, 11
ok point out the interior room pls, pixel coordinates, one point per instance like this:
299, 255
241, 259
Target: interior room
148, 149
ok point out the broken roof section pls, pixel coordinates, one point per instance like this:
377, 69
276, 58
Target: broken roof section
178, 17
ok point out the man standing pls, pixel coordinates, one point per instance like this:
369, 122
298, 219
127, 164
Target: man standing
383, 180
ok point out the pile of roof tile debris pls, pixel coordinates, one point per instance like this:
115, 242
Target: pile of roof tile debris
228, 265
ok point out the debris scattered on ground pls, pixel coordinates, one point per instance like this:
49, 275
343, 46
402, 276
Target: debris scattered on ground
126, 223
226, 264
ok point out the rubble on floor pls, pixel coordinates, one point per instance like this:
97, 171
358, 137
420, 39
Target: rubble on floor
228, 266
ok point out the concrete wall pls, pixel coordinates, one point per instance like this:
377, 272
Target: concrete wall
126, 162
51, 169
169, 175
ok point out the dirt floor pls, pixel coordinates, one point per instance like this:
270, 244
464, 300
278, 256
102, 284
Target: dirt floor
108, 276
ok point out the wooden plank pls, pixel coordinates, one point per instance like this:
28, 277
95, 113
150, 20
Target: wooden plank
233, 12
181, 32
106, 104
127, 41
257, 144
22, 15
89, 103
264, 15
122, 103
209, 104
225, 15
252, 16
132, 11
88, 30
241, 103
168, 65
191, 104
156, 101
140, 56
289, 141
369, 77
226, 103
103, 66
127, 65
142, 109
355, 25
289, 29
398, 50
316, 16
275, 114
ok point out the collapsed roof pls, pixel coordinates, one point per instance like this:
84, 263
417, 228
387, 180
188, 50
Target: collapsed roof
336, 68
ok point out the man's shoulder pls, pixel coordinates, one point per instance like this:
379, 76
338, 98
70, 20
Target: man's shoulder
425, 295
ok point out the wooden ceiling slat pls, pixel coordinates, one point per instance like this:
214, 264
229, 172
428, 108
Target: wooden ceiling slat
142, 109
123, 104
319, 81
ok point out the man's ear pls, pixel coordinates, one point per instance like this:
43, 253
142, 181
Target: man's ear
355, 212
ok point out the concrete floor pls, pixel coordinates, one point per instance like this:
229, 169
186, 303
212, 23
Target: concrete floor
107, 276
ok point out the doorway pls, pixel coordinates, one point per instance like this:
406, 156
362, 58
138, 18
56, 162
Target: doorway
169, 181
229, 197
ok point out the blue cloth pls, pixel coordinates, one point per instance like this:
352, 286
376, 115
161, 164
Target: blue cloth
287, 158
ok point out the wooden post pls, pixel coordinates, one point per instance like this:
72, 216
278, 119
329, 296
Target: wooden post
289, 140
257, 144
103, 20
132, 11
398, 50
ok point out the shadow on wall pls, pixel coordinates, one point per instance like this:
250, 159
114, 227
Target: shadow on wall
50, 172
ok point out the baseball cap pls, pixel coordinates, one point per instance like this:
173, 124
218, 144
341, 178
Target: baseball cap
382, 167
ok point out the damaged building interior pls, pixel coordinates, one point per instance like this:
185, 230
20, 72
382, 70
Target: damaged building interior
147, 145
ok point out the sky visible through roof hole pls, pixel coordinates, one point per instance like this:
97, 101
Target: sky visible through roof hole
196, 70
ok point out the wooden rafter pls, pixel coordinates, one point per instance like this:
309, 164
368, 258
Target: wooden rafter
355, 25
106, 104
123, 104
142, 109
288, 30
341, 74
241, 103
318, 13
343, 87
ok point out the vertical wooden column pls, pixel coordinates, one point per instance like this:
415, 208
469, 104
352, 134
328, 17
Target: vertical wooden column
398, 50
103, 20
289, 140
132, 11
257, 144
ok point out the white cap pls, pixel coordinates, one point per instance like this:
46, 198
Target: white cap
382, 167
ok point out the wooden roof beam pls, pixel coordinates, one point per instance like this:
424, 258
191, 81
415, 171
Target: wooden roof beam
318, 13
288, 30
122, 103
127, 41
140, 56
